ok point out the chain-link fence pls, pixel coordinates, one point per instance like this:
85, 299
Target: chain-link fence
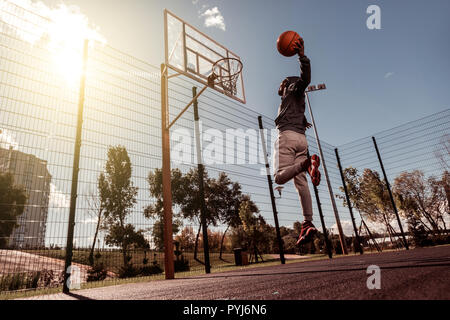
415, 157
120, 157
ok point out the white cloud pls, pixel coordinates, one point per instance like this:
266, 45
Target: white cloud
57, 198
90, 220
7, 141
213, 18
388, 75
374, 227
66, 24
61, 29
347, 228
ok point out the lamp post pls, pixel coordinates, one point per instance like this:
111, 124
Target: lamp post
327, 178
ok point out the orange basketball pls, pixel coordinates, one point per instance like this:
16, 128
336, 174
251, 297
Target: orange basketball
286, 43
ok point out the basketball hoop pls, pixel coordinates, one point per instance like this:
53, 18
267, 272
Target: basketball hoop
225, 73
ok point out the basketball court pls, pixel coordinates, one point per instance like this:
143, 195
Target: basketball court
207, 66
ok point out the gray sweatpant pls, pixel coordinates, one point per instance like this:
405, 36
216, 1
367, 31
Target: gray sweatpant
291, 149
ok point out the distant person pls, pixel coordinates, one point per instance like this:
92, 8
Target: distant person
291, 159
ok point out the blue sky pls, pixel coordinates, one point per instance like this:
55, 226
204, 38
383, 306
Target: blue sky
376, 79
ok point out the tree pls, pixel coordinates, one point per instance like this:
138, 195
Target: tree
12, 205
369, 195
422, 200
446, 185
126, 236
214, 238
95, 211
253, 227
231, 194
298, 227
191, 204
270, 245
117, 197
442, 152
186, 238
222, 200
158, 234
227, 198
290, 244
156, 209
418, 232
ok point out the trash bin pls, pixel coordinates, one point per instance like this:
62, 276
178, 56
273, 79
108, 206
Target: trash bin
244, 257
238, 256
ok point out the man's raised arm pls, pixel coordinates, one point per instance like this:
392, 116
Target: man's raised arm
305, 67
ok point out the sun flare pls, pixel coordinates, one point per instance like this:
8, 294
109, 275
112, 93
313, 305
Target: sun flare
66, 33
68, 64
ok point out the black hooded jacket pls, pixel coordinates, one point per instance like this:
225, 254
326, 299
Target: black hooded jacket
291, 113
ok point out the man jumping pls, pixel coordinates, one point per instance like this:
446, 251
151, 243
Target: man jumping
291, 148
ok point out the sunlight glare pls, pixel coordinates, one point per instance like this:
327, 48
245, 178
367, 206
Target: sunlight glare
66, 34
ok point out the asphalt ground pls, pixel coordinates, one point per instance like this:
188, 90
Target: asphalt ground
414, 274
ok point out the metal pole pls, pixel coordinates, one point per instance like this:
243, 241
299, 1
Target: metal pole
358, 240
201, 170
371, 236
187, 107
75, 171
322, 220
394, 206
166, 178
272, 196
330, 191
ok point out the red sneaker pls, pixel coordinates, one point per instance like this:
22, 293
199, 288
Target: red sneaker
313, 169
307, 233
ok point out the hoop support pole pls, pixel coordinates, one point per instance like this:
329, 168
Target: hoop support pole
187, 107
169, 266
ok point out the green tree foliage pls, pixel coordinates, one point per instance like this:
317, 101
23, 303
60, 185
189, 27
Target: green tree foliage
191, 205
297, 227
222, 200
186, 238
12, 205
228, 198
446, 184
270, 245
418, 232
158, 232
369, 195
290, 244
422, 200
126, 236
254, 228
117, 198
96, 212
156, 209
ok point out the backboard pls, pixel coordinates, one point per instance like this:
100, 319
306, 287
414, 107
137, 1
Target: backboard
190, 52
